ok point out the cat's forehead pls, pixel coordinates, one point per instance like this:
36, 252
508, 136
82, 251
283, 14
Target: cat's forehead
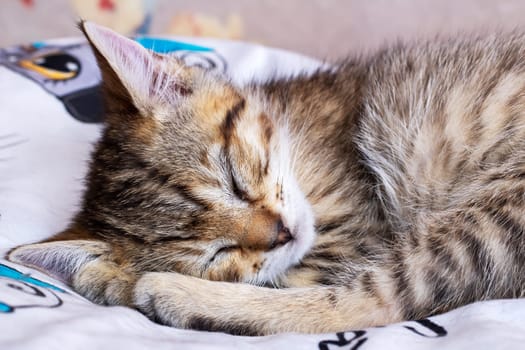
214, 113
220, 112
214, 103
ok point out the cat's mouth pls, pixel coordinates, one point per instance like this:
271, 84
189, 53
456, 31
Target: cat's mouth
299, 240
284, 236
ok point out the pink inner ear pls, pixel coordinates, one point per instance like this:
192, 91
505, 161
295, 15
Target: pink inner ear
147, 76
110, 43
132, 63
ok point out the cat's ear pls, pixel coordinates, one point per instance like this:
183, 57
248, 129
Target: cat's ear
133, 76
60, 259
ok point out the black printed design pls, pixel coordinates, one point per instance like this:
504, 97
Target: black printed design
429, 329
209, 60
33, 297
355, 339
68, 72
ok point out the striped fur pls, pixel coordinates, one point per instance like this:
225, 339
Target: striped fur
389, 188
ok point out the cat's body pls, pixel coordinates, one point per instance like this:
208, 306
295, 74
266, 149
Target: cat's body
390, 188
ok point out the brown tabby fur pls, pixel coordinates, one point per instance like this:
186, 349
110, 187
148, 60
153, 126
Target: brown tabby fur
412, 159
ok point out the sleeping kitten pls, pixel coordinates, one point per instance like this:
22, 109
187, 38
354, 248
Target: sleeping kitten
388, 189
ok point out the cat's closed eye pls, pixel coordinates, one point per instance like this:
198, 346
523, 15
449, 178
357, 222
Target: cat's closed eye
223, 250
238, 191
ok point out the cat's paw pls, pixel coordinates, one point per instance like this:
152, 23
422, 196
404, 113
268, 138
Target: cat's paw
105, 283
187, 302
168, 298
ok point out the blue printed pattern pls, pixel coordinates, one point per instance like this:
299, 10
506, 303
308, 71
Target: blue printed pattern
21, 291
6, 271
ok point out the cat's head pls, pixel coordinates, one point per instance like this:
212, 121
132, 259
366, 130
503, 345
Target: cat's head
192, 174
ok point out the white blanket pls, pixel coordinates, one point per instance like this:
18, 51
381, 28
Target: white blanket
45, 140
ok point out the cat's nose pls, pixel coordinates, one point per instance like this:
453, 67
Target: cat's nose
263, 230
283, 235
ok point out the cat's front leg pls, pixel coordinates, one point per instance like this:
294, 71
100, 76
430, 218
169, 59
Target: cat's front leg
106, 283
188, 302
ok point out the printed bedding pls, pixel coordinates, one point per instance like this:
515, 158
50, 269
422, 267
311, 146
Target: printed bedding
49, 118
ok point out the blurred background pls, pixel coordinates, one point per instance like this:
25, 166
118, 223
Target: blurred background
320, 28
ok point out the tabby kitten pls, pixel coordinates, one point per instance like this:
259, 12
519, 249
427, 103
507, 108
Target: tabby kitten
387, 189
